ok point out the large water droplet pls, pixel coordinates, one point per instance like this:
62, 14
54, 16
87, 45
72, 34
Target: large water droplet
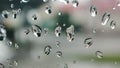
75, 3
47, 49
2, 33
1, 65
5, 14
105, 18
88, 42
58, 31
36, 30
70, 33
59, 54
65, 65
48, 10
99, 54
113, 24
93, 11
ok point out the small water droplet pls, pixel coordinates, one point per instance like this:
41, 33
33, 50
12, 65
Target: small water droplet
114, 8
45, 0
65, 65
70, 33
36, 30
105, 18
94, 30
93, 10
5, 14
16, 46
64, 25
46, 31
75, 3
15, 63
10, 43
65, 1
58, 43
27, 31
14, 14
48, 10
99, 54
88, 42
113, 24
34, 17
2, 33
58, 31
118, 3
59, 54
59, 13
11, 5
24, 1
1, 65
47, 49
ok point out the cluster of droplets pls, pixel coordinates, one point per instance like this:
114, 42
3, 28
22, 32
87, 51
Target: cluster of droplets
70, 33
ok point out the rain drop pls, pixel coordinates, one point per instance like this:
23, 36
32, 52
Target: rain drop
88, 42
2, 33
105, 18
59, 54
65, 65
93, 11
58, 31
47, 49
99, 54
1, 65
48, 10
36, 30
113, 24
5, 14
70, 33
75, 3
34, 17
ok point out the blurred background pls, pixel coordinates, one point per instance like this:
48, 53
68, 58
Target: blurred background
31, 39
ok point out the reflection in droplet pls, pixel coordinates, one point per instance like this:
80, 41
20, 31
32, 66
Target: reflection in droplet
65, 65
99, 54
88, 42
75, 3
93, 11
59, 54
70, 33
58, 31
48, 10
105, 18
1, 65
113, 24
5, 14
34, 17
2, 33
36, 30
47, 49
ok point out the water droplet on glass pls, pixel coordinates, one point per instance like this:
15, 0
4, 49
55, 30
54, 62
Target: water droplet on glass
2, 33
16, 46
11, 5
99, 54
14, 14
47, 49
88, 42
1, 65
48, 10
58, 43
15, 63
58, 31
105, 18
5, 14
27, 31
93, 11
59, 13
59, 54
75, 3
64, 25
36, 30
65, 65
46, 31
45, 0
113, 24
118, 3
24, 1
70, 33
10, 43
65, 1
114, 8
34, 17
